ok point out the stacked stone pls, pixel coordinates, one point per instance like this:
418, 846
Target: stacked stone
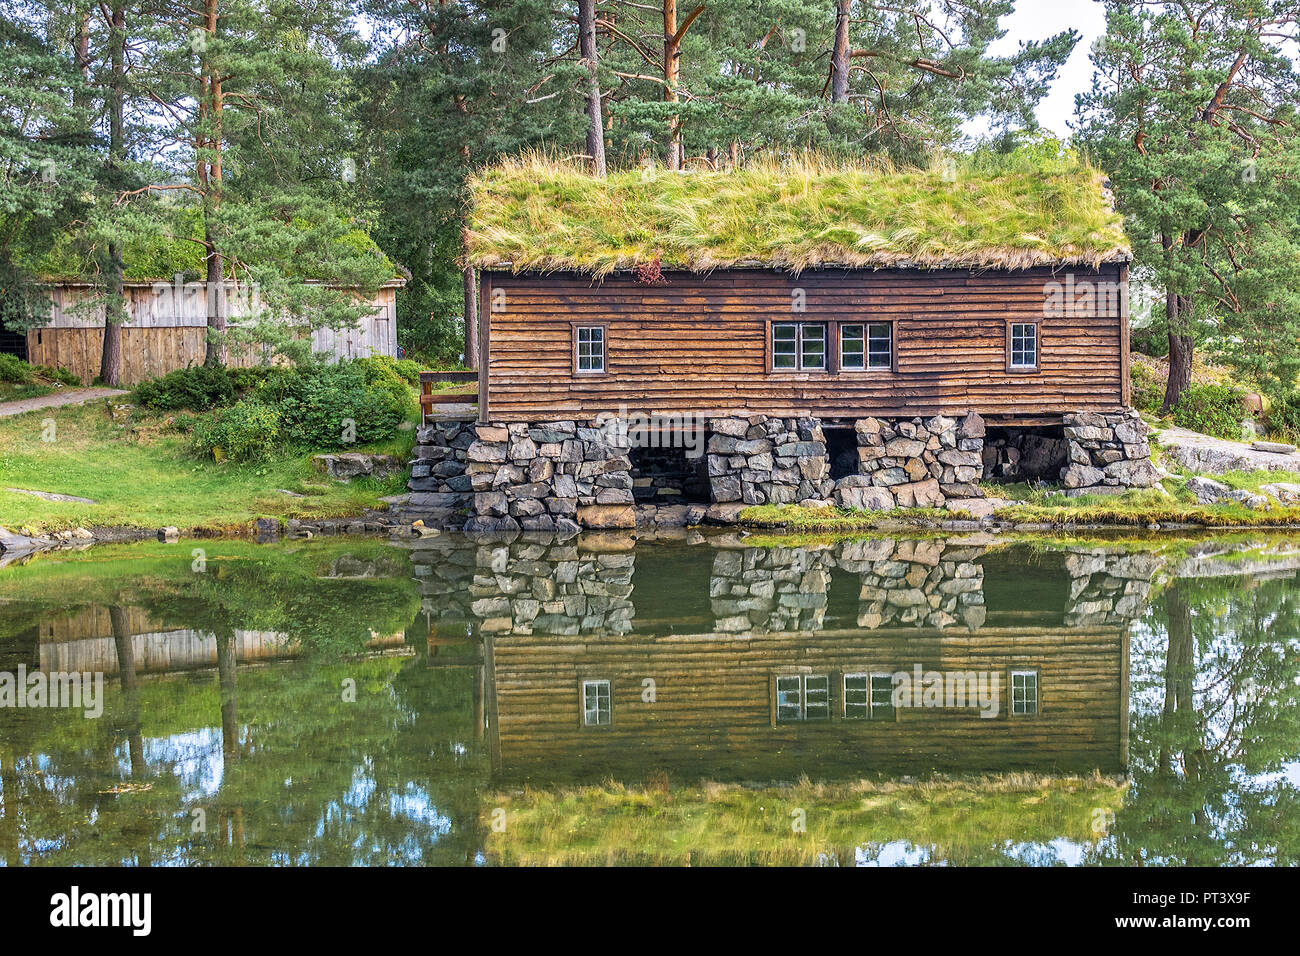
549, 477
439, 462
443, 571
1108, 453
770, 589
923, 583
760, 460
1108, 589
914, 463
666, 476
551, 588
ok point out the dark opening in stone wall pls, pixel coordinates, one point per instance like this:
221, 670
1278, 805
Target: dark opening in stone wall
1025, 454
668, 475
842, 451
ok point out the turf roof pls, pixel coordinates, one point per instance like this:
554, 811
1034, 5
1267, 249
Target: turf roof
536, 213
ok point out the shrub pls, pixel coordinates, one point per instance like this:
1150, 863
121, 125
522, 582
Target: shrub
385, 366
1148, 392
246, 430
61, 375
1152, 340
315, 402
14, 369
1211, 409
197, 387
1284, 417
246, 379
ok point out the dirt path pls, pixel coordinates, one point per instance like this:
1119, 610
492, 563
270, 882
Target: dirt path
68, 396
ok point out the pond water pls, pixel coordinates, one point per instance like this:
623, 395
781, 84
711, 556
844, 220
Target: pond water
702, 699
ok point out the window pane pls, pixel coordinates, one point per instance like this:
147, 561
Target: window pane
856, 696
1024, 345
785, 346
853, 346
813, 351
817, 697
591, 349
595, 702
789, 699
880, 345
882, 695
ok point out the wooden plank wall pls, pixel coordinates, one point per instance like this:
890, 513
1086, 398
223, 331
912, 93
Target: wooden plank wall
712, 711
162, 336
698, 343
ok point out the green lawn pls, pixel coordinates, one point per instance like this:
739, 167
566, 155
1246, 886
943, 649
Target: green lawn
141, 473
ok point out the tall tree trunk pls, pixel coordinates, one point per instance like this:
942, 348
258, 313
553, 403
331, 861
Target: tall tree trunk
471, 306
110, 360
211, 177
1181, 348
587, 47
670, 83
840, 54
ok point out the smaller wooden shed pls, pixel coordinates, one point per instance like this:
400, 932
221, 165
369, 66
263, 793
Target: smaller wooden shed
167, 329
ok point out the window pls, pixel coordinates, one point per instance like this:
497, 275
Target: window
802, 697
799, 346
866, 346
868, 696
589, 348
1022, 346
1024, 692
595, 703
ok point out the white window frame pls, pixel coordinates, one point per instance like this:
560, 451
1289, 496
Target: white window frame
588, 712
823, 327
869, 358
594, 349
1032, 338
802, 699
1011, 690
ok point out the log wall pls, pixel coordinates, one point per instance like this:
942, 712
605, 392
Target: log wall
700, 343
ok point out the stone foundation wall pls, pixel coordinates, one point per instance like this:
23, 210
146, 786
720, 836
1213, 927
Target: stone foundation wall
760, 460
552, 476
565, 475
914, 463
1108, 453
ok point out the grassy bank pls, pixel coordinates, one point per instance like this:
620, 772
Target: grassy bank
141, 472
971, 821
1172, 504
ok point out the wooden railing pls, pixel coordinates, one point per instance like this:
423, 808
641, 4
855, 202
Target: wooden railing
429, 398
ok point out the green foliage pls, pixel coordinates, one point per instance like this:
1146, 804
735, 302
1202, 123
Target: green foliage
1284, 417
247, 430
197, 388
316, 407
14, 369
1211, 409
1148, 392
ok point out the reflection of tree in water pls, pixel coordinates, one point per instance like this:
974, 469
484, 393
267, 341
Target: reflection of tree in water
283, 768
1215, 728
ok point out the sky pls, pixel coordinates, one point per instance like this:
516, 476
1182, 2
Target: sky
1038, 19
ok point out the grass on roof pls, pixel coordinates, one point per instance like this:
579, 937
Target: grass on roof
539, 213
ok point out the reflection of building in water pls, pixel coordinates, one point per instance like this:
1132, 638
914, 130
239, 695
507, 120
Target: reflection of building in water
731, 661
82, 640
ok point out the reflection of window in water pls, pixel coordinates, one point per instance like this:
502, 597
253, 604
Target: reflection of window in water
868, 695
1024, 692
595, 703
802, 697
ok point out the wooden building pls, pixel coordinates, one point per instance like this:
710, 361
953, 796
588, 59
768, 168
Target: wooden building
167, 329
1005, 294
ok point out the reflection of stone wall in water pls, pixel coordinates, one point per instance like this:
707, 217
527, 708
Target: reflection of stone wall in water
924, 583
548, 586
770, 589
1108, 587
518, 587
